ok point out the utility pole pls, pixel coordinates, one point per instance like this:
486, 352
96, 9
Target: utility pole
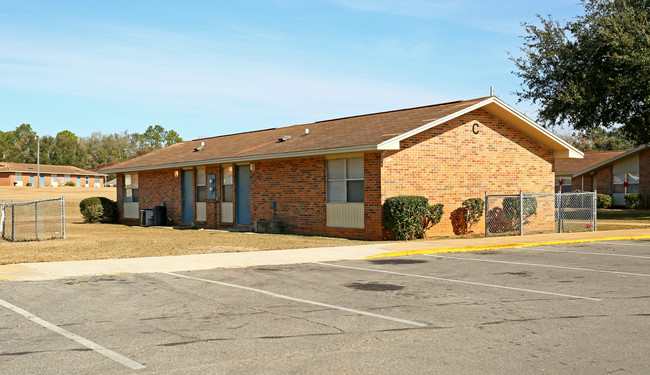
38, 161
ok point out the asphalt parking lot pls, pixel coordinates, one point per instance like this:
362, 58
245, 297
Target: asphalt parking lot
569, 309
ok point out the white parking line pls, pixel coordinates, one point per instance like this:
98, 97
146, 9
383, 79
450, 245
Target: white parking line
539, 265
581, 252
459, 281
385, 317
74, 337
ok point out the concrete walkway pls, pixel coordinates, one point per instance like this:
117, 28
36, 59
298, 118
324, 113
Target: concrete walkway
52, 270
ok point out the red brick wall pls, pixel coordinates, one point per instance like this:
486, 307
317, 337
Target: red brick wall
158, 188
298, 186
644, 176
449, 163
577, 183
604, 180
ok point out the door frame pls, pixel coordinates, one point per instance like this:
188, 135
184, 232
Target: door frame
187, 209
243, 201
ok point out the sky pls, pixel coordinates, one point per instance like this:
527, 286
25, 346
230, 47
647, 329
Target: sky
207, 68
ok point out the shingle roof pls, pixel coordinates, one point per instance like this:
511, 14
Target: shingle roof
348, 134
570, 166
45, 168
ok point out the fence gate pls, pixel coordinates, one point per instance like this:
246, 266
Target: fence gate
34, 220
526, 213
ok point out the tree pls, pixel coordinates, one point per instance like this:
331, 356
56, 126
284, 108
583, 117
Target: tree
66, 149
592, 72
598, 140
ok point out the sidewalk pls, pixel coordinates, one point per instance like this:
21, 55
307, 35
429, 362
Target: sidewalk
53, 270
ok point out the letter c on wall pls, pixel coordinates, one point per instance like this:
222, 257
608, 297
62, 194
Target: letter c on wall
475, 128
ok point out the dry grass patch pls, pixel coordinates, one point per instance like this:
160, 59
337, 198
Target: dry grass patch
73, 195
110, 241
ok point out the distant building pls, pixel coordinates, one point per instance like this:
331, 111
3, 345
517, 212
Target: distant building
19, 174
608, 172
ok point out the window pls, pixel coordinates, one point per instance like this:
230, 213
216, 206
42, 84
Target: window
86, 180
54, 180
201, 191
67, 178
18, 180
345, 180
130, 187
97, 182
563, 184
625, 183
226, 178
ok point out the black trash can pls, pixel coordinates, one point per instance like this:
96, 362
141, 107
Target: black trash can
160, 215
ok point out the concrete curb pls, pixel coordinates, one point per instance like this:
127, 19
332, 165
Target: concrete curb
500, 246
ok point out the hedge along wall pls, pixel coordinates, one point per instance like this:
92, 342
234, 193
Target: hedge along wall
458, 160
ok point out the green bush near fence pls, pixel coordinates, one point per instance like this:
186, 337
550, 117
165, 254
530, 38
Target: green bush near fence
98, 210
408, 217
604, 201
632, 200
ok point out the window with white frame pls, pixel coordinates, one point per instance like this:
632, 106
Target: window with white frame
625, 183
226, 184
345, 180
563, 184
130, 187
66, 178
201, 190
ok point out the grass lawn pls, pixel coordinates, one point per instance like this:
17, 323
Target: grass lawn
612, 215
108, 241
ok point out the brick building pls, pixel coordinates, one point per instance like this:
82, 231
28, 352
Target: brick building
615, 173
331, 177
19, 174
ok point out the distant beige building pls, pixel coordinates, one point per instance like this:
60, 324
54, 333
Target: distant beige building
19, 174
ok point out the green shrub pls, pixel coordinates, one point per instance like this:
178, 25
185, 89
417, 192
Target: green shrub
69, 183
473, 210
604, 201
407, 216
98, 210
632, 200
513, 210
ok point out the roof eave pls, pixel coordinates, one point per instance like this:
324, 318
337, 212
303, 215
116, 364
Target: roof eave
243, 159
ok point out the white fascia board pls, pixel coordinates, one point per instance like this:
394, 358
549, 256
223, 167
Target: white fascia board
621, 156
401, 137
568, 151
247, 158
572, 152
59, 173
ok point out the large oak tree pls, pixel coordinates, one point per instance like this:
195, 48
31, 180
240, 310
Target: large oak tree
592, 72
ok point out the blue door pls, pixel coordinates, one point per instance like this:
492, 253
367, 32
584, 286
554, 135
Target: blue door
42, 183
31, 179
243, 195
78, 180
188, 196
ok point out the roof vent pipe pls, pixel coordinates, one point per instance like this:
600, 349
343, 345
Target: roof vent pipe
306, 131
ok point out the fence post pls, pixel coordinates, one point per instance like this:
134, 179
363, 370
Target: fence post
486, 215
36, 220
2, 221
13, 222
63, 215
521, 213
595, 218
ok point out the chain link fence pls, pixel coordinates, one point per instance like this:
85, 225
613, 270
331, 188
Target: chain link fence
508, 215
34, 220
